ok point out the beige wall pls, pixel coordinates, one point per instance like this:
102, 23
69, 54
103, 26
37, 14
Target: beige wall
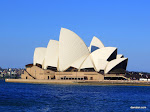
25, 76
89, 75
39, 73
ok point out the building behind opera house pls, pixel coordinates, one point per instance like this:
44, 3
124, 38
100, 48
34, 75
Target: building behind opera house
70, 59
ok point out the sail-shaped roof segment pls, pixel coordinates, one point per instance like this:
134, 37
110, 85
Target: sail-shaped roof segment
114, 63
120, 56
77, 64
71, 48
51, 56
95, 44
100, 64
39, 55
101, 57
87, 63
104, 53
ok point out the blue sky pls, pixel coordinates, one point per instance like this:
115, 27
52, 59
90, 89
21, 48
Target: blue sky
27, 24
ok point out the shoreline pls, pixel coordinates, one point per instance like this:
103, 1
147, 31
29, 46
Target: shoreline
70, 82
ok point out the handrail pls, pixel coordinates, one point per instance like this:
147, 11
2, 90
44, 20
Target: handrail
30, 75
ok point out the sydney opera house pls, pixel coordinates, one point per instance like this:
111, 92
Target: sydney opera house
70, 59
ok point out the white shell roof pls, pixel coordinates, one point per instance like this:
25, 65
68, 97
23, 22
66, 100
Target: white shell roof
100, 64
78, 63
71, 48
87, 63
103, 53
51, 56
100, 57
96, 42
120, 56
39, 55
72, 51
113, 63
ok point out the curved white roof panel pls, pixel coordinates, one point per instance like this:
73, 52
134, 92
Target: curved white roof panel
39, 55
103, 53
95, 44
100, 64
100, 57
87, 63
114, 63
71, 48
120, 56
77, 64
51, 56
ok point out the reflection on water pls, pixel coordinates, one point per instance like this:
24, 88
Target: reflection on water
65, 98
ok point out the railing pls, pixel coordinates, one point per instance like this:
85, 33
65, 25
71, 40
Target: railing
30, 75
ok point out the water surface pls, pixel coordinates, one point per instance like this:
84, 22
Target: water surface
20, 97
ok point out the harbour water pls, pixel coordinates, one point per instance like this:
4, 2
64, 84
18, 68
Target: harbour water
20, 97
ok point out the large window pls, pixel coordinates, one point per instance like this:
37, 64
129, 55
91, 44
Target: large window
87, 70
71, 69
39, 65
52, 68
120, 68
114, 78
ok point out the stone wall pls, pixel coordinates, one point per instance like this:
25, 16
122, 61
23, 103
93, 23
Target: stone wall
41, 74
